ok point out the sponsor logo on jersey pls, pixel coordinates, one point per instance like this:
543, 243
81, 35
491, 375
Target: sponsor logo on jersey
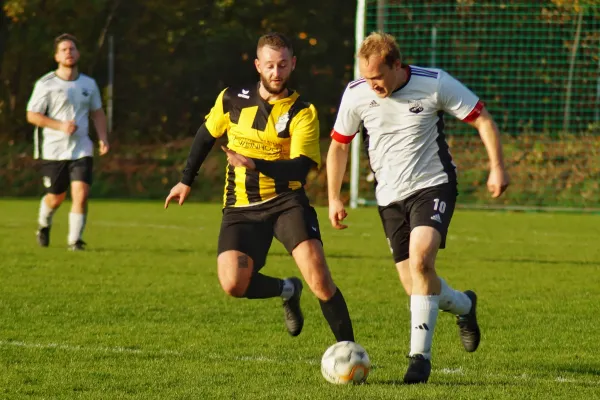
244, 94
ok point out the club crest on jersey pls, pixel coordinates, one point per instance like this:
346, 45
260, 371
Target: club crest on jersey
85, 92
282, 122
415, 106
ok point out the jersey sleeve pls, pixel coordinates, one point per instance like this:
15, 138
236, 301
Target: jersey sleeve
457, 100
304, 133
96, 101
347, 121
38, 102
217, 120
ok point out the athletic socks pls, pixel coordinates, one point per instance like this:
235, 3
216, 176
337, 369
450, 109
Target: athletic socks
45, 214
336, 313
76, 226
453, 301
424, 312
264, 287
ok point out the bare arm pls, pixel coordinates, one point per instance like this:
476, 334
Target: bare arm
41, 120
488, 130
337, 158
99, 119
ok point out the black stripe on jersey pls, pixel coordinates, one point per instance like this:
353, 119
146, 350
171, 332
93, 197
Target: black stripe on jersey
298, 106
40, 142
262, 116
444, 150
252, 186
228, 106
230, 191
282, 186
366, 139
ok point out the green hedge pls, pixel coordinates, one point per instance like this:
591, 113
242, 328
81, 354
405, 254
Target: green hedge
561, 171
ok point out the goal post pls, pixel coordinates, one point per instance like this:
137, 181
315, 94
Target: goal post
536, 66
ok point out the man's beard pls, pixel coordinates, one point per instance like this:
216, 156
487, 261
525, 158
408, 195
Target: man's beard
270, 88
72, 64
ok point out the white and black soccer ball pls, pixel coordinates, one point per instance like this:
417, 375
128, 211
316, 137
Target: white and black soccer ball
345, 362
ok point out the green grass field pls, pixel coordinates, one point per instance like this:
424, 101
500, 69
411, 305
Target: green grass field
141, 314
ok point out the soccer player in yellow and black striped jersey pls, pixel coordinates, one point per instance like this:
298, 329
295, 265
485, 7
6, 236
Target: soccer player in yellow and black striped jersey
273, 142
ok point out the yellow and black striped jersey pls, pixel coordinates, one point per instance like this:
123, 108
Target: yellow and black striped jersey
276, 130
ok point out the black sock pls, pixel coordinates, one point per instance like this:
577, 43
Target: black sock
264, 287
335, 312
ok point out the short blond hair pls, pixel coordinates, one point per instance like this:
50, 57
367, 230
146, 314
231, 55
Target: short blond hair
380, 44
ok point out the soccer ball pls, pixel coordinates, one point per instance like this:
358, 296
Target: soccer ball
345, 362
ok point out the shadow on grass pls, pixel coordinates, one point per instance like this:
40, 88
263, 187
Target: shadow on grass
433, 383
534, 261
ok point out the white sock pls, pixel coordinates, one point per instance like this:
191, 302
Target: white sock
76, 225
453, 301
45, 214
288, 289
423, 316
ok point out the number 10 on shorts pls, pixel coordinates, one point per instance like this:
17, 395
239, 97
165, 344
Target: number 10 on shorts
439, 205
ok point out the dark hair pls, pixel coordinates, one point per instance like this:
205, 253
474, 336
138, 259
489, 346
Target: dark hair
62, 38
275, 40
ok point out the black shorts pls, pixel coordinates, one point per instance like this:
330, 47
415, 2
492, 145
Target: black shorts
57, 175
289, 218
432, 206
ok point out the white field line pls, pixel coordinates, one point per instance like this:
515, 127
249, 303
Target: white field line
255, 359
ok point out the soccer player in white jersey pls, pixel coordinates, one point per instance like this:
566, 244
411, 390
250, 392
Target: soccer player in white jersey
401, 107
60, 107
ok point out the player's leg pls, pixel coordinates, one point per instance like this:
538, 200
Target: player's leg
430, 214
244, 242
298, 229
435, 209
396, 224
80, 173
55, 178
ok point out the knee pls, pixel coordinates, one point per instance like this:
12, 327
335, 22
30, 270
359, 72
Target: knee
234, 288
79, 196
420, 265
55, 200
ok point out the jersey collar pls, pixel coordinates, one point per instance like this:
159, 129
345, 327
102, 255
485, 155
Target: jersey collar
406, 69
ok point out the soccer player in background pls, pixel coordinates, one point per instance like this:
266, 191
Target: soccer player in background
60, 107
273, 142
401, 107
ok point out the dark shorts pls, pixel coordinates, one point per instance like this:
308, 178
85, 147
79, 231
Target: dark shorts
57, 175
433, 207
289, 218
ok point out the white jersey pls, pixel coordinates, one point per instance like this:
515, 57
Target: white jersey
404, 132
64, 101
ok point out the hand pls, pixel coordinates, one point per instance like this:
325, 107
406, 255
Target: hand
68, 127
238, 160
104, 147
180, 192
498, 181
337, 213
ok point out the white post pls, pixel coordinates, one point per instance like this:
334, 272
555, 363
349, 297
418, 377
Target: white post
355, 149
109, 89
